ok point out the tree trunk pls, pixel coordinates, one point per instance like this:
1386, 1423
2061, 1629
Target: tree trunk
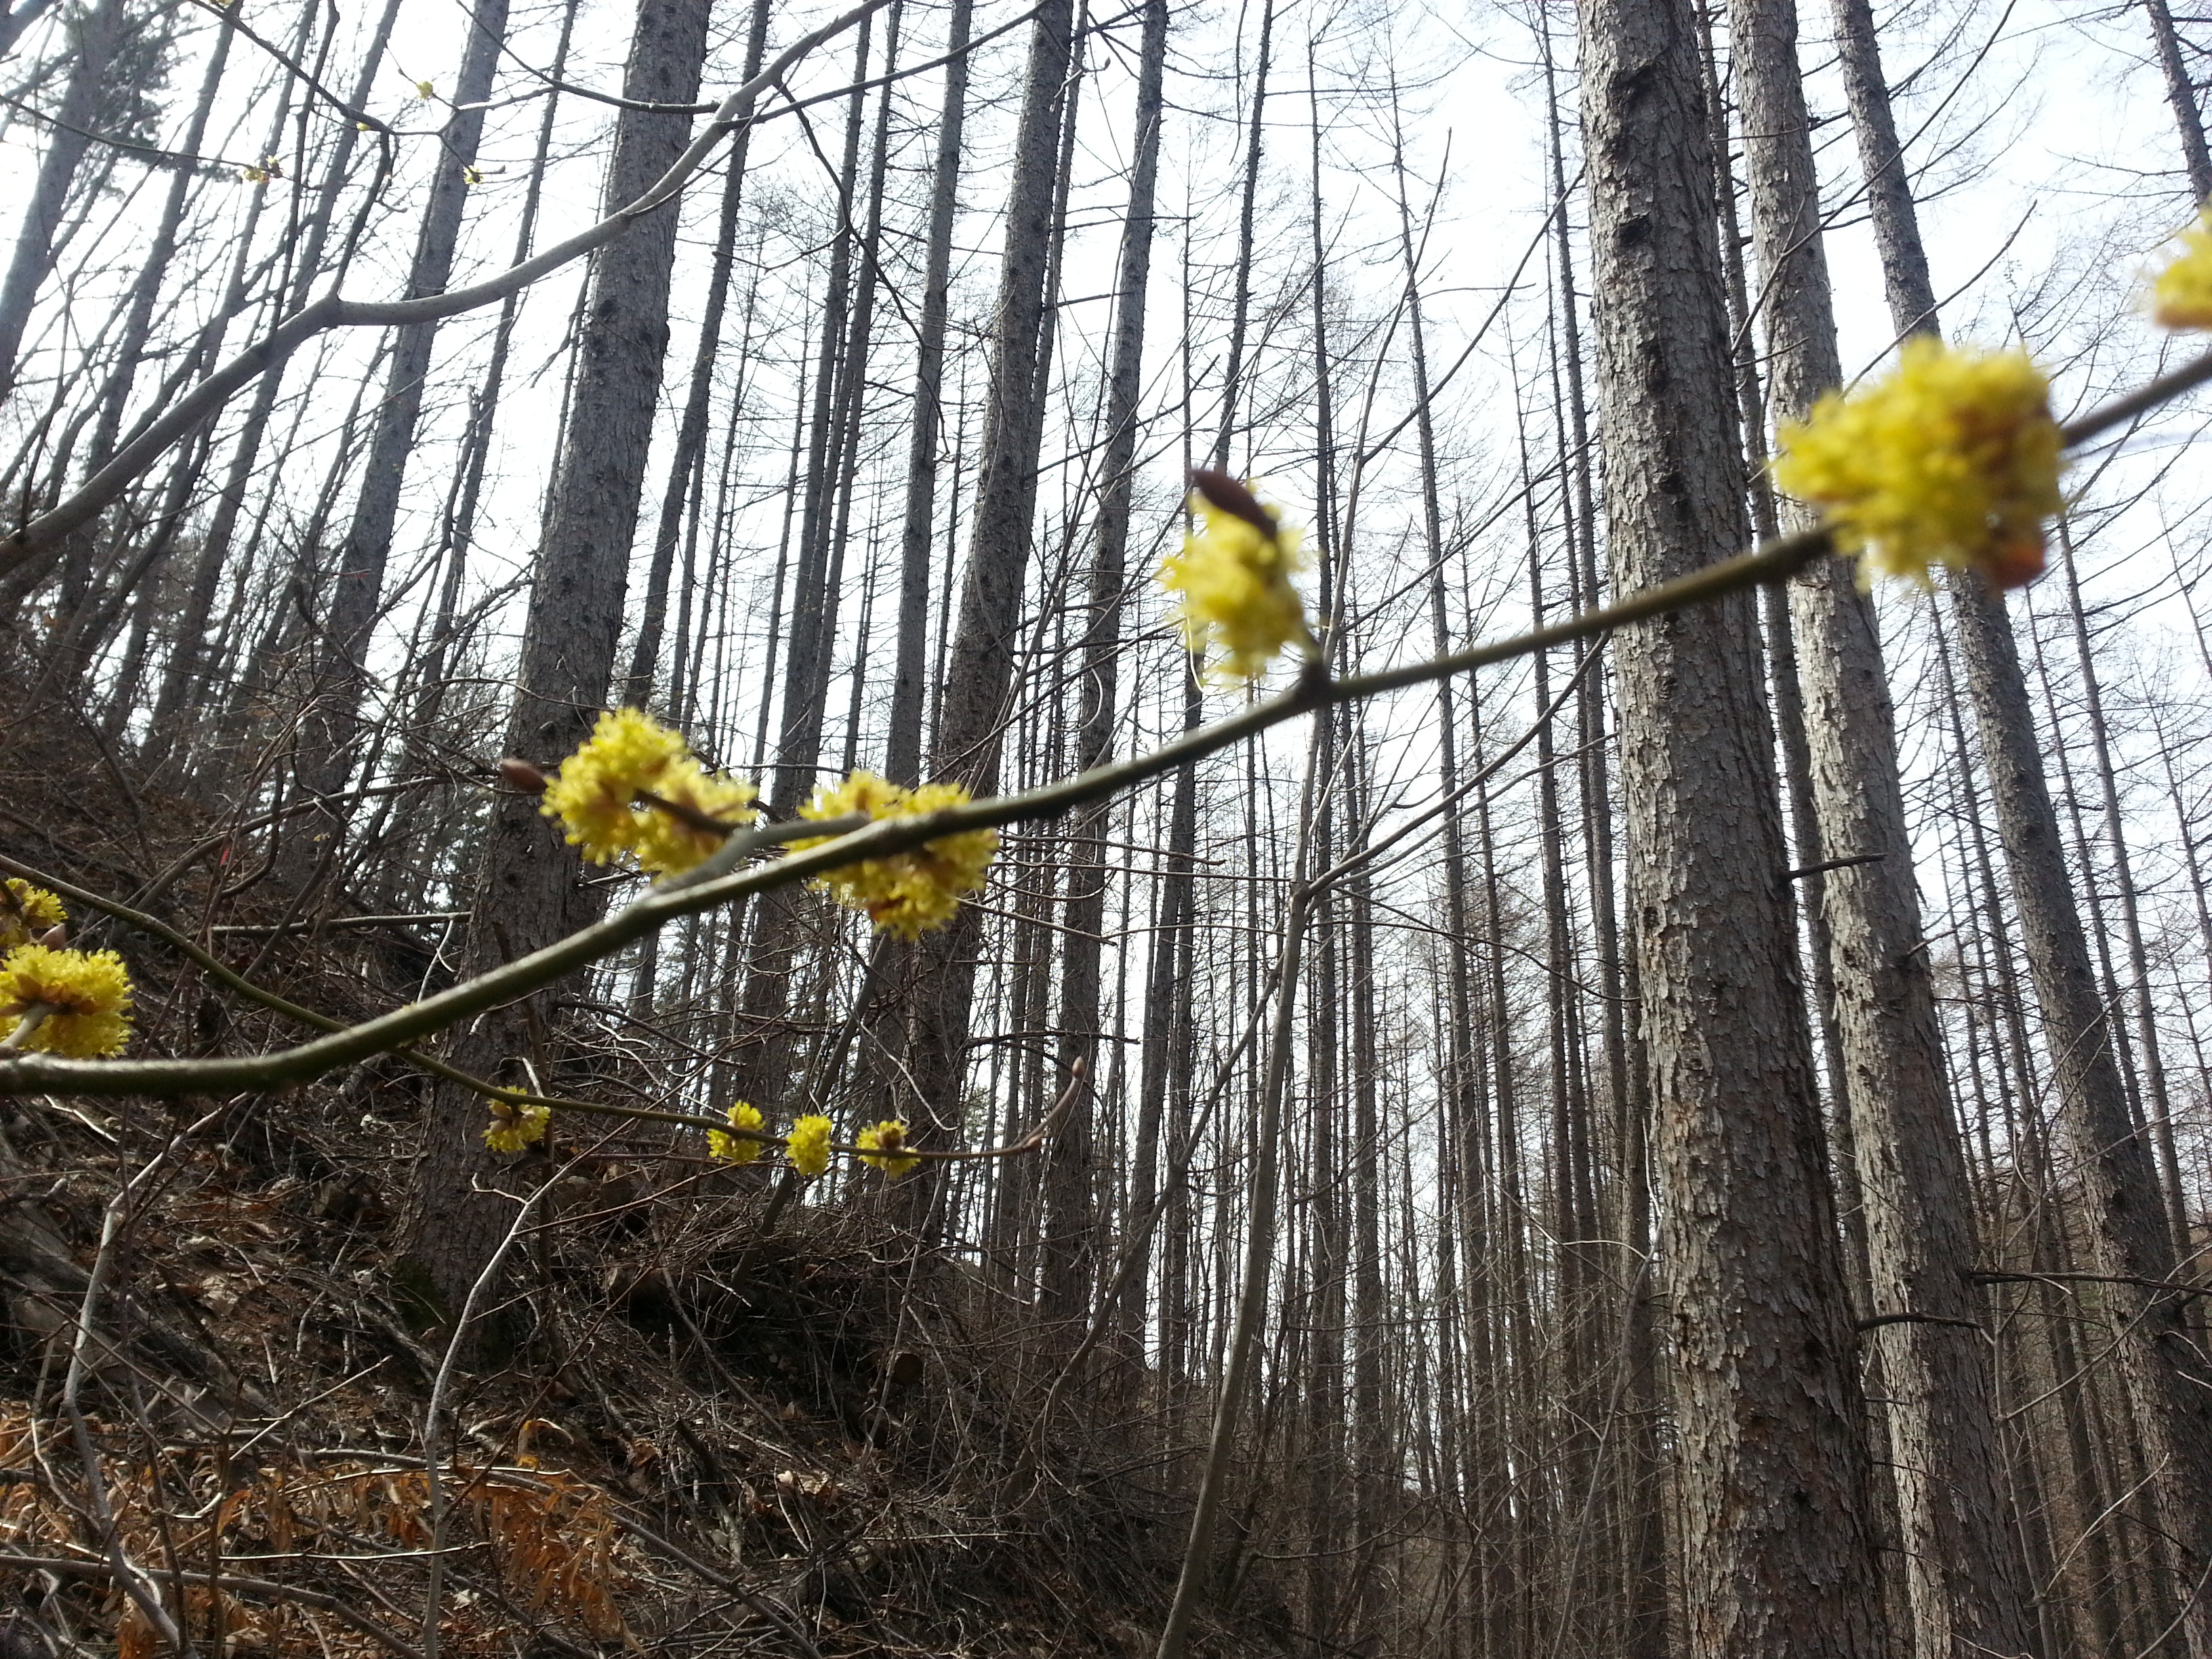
527, 889
764, 1071
974, 691
187, 670
1778, 1556
1963, 1589
330, 738
2181, 95
1071, 1243
2169, 1382
903, 741
687, 468
95, 35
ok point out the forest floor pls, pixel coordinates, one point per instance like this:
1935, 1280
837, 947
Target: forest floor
722, 1429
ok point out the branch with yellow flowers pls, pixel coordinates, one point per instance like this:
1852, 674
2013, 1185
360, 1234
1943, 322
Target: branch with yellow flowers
1952, 459
718, 880
33, 891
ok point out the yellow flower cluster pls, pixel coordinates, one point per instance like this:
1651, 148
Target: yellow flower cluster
808, 1145
2182, 296
724, 1148
883, 1146
1234, 582
84, 995
596, 796
513, 1125
26, 912
907, 893
1952, 459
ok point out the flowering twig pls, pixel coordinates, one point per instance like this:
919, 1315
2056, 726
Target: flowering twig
718, 881
33, 1016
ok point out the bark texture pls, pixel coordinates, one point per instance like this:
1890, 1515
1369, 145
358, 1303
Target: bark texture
1776, 1555
528, 890
1965, 1593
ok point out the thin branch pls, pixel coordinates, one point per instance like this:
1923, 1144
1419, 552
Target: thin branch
718, 882
204, 400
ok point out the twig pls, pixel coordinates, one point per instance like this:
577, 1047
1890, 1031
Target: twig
2174, 1285
433, 1461
717, 881
203, 401
67, 1567
112, 1229
1258, 1243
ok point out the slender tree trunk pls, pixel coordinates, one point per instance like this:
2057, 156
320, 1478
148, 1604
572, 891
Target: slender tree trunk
187, 670
813, 627
94, 35
974, 692
2181, 94
2157, 1103
338, 681
1964, 1591
1778, 1555
526, 891
903, 741
1071, 1241
2168, 1377
687, 468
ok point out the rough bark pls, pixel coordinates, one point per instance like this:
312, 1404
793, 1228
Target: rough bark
1777, 1555
1963, 1585
527, 891
2181, 97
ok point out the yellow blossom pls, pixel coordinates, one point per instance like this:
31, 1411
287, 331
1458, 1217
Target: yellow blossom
471, 176
514, 1125
2182, 296
808, 1145
881, 1146
596, 795
1952, 459
668, 845
1234, 580
26, 912
907, 893
84, 994
425, 91
724, 1148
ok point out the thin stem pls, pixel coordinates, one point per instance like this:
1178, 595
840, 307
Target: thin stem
718, 882
33, 1016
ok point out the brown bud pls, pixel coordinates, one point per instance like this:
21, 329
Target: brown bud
55, 938
1232, 497
521, 774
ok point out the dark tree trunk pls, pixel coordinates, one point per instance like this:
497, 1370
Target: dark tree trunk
330, 741
526, 892
1071, 1243
974, 691
1778, 1554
